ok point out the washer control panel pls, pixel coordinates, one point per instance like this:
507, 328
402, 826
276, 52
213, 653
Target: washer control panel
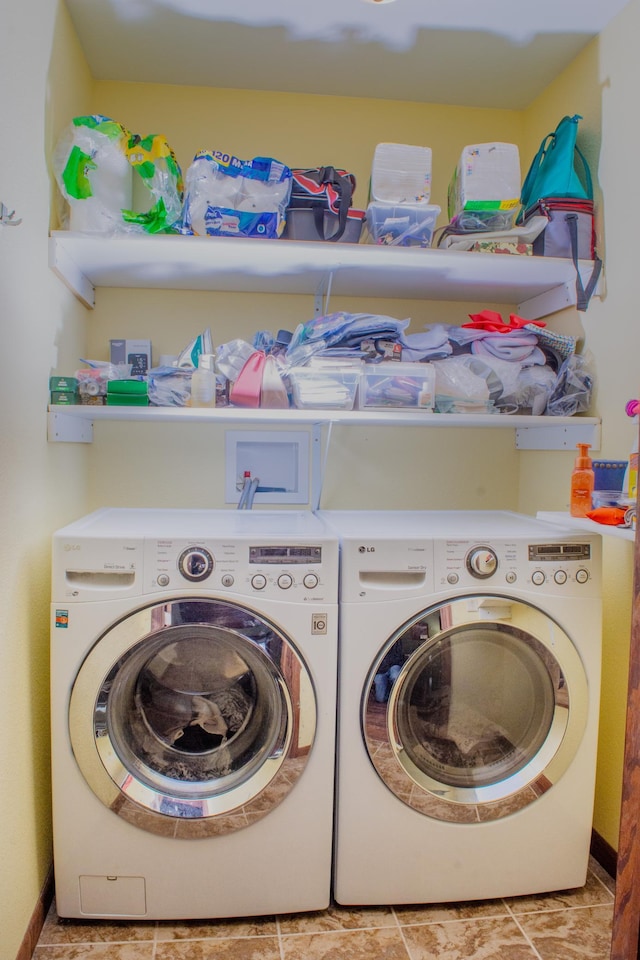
555, 567
282, 570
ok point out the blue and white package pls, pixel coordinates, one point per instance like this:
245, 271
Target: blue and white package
228, 197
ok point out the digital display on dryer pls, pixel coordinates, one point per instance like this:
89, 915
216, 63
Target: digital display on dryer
300, 553
559, 551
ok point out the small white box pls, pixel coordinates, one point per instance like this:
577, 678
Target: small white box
401, 173
135, 352
385, 386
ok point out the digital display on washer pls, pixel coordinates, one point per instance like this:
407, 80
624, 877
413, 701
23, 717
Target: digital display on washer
559, 551
299, 553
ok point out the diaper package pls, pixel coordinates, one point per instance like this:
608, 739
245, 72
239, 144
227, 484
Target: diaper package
228, 197
484, 192
401, 173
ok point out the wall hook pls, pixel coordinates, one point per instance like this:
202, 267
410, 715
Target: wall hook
7, 217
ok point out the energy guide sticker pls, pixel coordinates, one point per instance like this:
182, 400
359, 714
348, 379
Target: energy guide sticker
62, 618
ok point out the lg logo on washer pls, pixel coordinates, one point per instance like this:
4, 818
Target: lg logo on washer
366, 549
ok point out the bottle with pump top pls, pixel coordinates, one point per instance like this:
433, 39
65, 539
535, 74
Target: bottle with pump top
582, 480
203, 382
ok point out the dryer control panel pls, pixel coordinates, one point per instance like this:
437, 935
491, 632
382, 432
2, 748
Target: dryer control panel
563, 567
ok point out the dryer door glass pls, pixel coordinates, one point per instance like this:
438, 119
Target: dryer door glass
192, 717
475, 708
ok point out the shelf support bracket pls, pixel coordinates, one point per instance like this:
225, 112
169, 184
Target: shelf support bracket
70, 274
323, 293
553, 438
559, 297
62, 428
319, 455
549, 302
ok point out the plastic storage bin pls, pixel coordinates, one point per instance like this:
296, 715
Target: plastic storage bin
395, 384
324, 387
402, 224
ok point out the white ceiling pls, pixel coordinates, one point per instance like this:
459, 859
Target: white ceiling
498, 53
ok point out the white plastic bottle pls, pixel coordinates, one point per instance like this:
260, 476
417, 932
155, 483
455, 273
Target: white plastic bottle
203, 382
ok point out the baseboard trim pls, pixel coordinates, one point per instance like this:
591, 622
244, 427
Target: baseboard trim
34, 928
604, 853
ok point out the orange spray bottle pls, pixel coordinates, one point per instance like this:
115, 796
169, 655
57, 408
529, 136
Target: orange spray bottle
581, 483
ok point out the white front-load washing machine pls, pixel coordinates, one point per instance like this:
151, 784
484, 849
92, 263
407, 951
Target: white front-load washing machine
470, 647
193, 691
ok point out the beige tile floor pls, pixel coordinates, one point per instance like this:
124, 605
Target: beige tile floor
557, 926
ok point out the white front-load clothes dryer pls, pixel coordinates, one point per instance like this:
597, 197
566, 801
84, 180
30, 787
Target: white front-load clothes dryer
193, 691
469, 665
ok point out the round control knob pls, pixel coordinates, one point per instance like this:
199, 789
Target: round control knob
482, 562
195, 564
284, 581
537, 578
560, 576
310, 581
582, 575
259, 582
163, 579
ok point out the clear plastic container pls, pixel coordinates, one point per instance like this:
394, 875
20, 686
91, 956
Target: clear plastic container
393, 385
402, 224
324, 387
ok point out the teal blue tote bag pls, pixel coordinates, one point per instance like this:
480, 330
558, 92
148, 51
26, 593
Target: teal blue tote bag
554, 170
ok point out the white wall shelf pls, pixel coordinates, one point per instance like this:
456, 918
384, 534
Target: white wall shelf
75, 423
536, 285
580, 523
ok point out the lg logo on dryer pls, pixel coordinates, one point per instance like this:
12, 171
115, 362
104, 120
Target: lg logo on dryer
366, 549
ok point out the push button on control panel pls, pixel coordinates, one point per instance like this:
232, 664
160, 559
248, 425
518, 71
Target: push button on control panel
310, 581
259, 581
537, 578
560, 576
285, 580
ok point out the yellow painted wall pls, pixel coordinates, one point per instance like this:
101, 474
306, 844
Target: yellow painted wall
44, 485
597, 85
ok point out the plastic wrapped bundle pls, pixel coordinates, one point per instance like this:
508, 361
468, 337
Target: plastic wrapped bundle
115, 181
93, 173
227, 197
158, 180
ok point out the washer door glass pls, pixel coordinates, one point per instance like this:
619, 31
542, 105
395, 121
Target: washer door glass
192, 718
475, 708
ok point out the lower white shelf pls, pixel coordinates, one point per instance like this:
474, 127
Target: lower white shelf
583, 523
74, 424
